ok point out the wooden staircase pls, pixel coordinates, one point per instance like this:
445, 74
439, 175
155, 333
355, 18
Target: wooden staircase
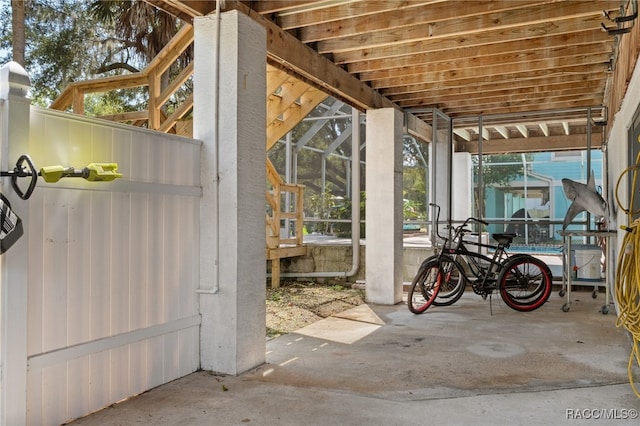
289, 100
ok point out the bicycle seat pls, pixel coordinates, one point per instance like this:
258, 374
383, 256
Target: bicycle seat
504, 239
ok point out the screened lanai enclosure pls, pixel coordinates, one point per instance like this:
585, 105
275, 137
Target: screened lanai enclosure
516, 191
318, 153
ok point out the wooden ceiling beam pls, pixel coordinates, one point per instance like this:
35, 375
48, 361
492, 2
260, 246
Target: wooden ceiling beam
403, 15
524, 87
516, 80
472, 104
498, 96
506, 21
488, 57
273, 6
583, 38
519, 106
287, 51
185, 10
444, 44
478, 73
333, 16
537, 144
501, 61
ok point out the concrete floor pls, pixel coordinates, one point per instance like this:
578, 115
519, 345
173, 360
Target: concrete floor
382, 365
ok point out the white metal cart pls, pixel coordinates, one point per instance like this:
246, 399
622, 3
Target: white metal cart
567, 262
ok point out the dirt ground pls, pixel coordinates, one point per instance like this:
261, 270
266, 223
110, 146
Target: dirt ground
297, 304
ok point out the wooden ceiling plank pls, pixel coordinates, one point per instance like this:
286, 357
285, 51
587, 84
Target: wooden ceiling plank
482, 103
184, 9
570, 74
509, 100
583, 38
445, 44
520, 106
498, 82
506, 88
467, 106
274, 6
504, 21
343, 11
522, 58
496, 96
500, 60
483, 72
383, 16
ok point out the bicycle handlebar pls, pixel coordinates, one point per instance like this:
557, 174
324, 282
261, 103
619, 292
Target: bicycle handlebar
457, 230
475, 219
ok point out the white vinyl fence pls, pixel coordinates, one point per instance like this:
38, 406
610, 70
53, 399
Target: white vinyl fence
110, 268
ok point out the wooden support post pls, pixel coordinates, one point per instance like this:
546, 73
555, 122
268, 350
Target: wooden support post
78, 101
275, 273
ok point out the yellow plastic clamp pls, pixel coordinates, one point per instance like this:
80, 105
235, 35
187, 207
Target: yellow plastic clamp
52, 174
102, 172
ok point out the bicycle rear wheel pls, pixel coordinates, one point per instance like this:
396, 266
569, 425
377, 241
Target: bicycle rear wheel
525, 283
452, 285
424, 287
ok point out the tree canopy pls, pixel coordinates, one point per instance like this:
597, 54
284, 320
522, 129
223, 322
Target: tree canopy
74, 40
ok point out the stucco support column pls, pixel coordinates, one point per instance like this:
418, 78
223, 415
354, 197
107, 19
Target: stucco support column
229, 117
384, 206
462, 181
14, 263
440, 162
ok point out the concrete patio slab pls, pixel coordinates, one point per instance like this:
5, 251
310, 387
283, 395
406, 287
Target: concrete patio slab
458, 365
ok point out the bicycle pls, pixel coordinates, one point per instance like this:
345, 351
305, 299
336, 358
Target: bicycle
523, 281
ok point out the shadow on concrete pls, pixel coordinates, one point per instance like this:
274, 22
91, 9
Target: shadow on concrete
382, 365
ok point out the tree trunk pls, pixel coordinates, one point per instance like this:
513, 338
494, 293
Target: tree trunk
18, 34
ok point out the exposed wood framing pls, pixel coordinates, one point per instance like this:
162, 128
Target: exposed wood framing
626, 59
465, 58
534, 144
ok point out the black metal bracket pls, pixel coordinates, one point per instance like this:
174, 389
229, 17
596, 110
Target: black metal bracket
620, 20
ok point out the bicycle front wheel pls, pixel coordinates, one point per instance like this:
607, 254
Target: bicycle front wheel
453, 283
525, 283
424, 287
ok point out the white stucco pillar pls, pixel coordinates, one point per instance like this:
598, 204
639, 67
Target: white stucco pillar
229, 117
384, 206
462, 181
441, 177
14, 263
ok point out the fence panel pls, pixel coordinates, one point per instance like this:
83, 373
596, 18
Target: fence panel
113, 267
